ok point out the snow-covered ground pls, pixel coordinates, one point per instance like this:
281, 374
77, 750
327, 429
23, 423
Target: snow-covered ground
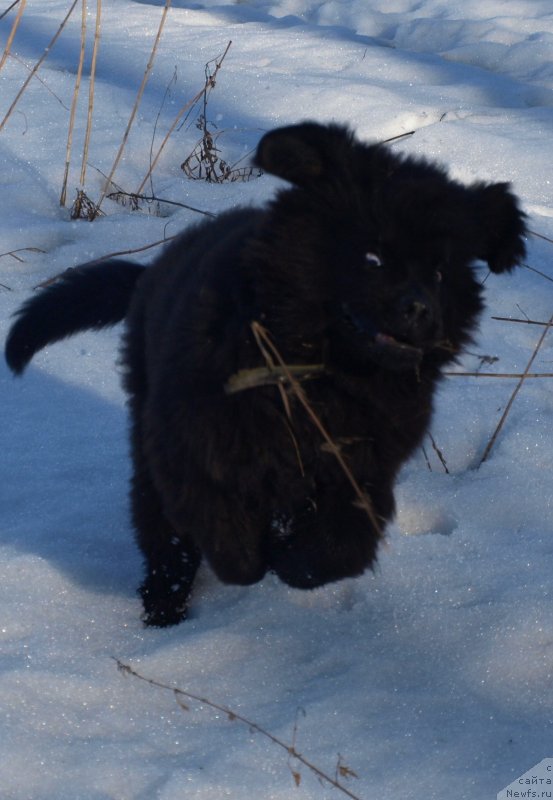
433, 677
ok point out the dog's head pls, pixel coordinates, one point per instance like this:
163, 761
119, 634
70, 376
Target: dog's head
392, 241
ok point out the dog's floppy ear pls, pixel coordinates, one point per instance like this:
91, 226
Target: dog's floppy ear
302, 153
502, 224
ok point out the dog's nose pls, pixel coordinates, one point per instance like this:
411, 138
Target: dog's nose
414, 310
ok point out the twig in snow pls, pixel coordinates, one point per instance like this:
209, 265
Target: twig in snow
538, 272
208, 85
503, 375
9, 8
525, 321
541, 236
12, 253
119, 197
515, 392
438, 453
183, 697
40, 80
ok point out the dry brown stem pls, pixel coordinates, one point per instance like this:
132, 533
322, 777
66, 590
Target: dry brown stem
183, 697
15, 26
209, 84
502, 375
38, 64
13, 253
74, 101
91, 85
141, 89
541, 236
269, 376
270, 352
522, 321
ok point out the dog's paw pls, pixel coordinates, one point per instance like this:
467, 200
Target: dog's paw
163, 609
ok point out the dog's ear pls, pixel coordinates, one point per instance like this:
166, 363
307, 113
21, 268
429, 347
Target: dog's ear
502, 225
303, 154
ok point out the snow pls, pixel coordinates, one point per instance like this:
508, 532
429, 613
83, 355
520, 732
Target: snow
432, 677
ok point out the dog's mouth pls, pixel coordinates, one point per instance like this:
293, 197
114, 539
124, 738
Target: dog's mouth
379, 347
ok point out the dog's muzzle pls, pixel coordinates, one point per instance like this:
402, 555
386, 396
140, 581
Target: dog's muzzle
377, 346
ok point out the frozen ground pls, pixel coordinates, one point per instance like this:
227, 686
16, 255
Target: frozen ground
432, 678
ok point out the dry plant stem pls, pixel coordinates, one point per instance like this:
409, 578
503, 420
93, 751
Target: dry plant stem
39, 79
63, 196
503, 375
38, 64
265, 344
9, 8
12, 253
523, 321
91, 86
538, 272
438, 453
147, 71
15, 26
541, 236
515, 392
107, 257
269, 376
153, 199
181, 696
186, 107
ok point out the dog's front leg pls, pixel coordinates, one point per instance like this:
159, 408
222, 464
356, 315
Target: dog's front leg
171, 558
330, 538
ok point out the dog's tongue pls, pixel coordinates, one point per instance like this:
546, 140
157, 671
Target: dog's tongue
381, 348
391, 354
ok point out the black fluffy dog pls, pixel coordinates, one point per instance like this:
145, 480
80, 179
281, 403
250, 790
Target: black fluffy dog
361, 268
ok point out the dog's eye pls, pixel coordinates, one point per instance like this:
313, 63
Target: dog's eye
372, 260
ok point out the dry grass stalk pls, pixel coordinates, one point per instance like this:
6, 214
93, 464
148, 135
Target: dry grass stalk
538, 272
270, 352
523, 321
13, 253
134, 200
73, 111
209, 84
9, 8
141, 89
183, 697
503, 375
91, 86
269, 376
439, 453
515, 392
39, 79
107, 257
15, 26
541, 236
38, 64
84, 208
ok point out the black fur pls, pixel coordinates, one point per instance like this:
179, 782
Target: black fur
362, 266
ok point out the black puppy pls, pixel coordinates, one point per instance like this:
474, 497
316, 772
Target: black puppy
361, 273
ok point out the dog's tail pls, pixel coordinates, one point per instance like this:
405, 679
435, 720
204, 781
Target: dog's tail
84, 298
